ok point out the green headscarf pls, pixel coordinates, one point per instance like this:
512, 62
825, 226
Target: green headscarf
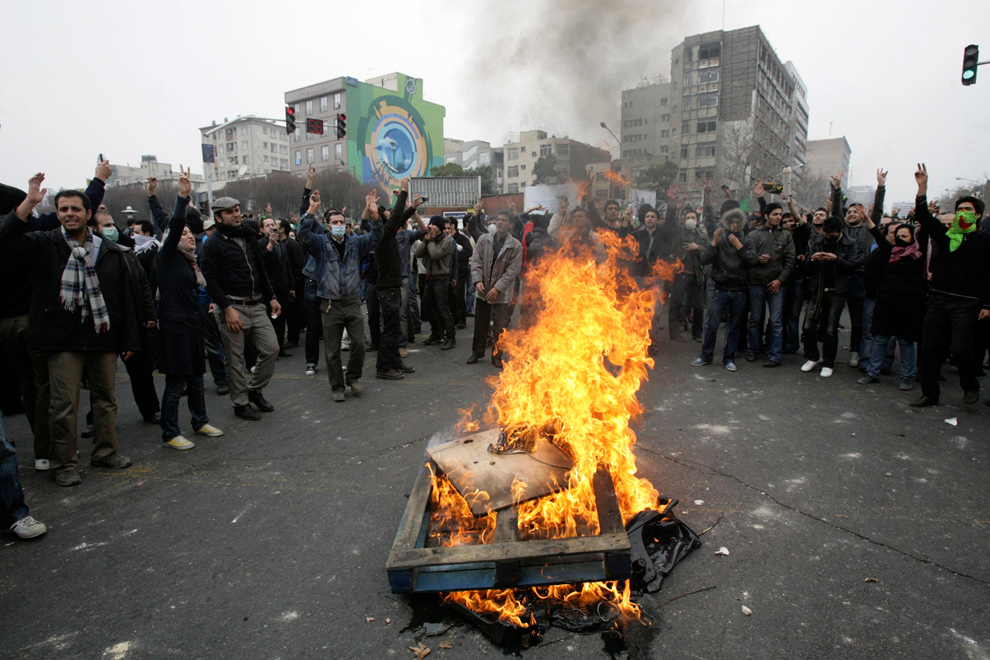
964, 223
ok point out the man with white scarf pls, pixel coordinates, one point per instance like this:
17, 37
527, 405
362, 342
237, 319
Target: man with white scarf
81, 317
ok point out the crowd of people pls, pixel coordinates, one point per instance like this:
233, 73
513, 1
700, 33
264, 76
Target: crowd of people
183, 293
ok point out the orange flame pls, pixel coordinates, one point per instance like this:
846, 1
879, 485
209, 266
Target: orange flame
572, 375
617, 178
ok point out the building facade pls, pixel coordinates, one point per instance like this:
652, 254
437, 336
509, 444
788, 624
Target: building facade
126, 175
646, 115
246, 147
828, 157
570, 159
472, 154
391, 131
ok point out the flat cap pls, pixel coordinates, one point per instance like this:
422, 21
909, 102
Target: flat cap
224, 204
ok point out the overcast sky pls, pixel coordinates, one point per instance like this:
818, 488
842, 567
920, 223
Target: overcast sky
132, 78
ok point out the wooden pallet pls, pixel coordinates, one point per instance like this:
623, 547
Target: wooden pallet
506, 562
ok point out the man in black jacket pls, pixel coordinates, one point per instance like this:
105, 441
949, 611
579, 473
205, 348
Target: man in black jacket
655, 245
235, 278
960, 294
81, 316
463, 250
279, 274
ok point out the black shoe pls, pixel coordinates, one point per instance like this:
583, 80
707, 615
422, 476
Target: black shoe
470, 315
222, 389
284, 354
750, 357
971, 396
247, 411
497, 361
429, 341
258, 399
391, 374
461, 326
924, 401
405, 368
88, 432
474, 358
770, 364
372, 348
448, 344
885, 372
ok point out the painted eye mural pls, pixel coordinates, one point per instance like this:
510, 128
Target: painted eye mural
395, 145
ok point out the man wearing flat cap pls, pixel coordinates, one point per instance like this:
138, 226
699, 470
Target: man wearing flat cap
237, 283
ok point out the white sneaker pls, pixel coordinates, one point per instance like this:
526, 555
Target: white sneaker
254, 369
809, 365
27, 528
826, 372
854, 359
310, 369
42, 465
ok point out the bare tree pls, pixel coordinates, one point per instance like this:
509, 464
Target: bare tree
735, 155
812, 190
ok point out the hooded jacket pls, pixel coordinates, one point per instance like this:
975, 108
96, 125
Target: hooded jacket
730, 266
779, 244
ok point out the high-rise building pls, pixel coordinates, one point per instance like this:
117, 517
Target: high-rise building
733, 105
246, 147
828, 157
645, 130
125, 175
569, 159
391, 132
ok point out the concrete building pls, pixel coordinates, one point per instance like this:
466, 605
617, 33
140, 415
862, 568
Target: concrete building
125, 175
733, 105
645, 130
571, 159
828, 157
860, 194
246, 147
391, 132
799, 122
472, 154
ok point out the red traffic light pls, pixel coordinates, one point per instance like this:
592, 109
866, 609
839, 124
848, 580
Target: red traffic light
289, 110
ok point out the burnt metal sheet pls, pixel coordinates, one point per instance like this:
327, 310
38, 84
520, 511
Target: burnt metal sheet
474, 471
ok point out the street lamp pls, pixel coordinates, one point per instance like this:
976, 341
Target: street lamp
612, 134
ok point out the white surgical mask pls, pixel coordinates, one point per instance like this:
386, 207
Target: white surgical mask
338, 230
491, 228
691, 224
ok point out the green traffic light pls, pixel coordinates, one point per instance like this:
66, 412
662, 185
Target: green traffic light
968, 73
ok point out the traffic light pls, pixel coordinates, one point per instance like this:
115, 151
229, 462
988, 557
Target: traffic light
290, 119
971, 57
341, 126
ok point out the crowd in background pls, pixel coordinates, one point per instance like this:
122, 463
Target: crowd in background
183, 293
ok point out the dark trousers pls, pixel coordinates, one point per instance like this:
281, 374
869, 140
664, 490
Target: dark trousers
413, 320
295, 313
340, 315
314, 323
389, 302
32, 372
458, 306
793, 301
12, 506
719, 302
831, 312
855, 298
686, 300
278, 324
215, 353
374, 313
485, 314
140, 368
435, 300
170, 404
949, 330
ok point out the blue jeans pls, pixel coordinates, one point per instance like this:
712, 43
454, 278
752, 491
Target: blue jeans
866, 344
314, 323
879, 352
170, 404
12, 506
758, 296
735, 302
214, 345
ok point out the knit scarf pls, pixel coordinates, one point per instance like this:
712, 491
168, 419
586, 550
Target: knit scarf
80, 286
903, 249
964, 223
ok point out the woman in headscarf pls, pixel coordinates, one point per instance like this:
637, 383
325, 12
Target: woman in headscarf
181, 336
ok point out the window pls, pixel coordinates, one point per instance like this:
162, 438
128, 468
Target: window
265, 158
663, 101
664, 118
687, 103
546, 149
325, 153
663, 148
309, 136
310, 155
707, 101
231, 174
338, 152
684, 153
706, 150
513, 187
513, 154
523, 167
244, 144
565, 148
264, 130
298, 157
706, 126
682, 176
283, 149
324, 103
485, 158
275, 148
336, 100
220, 149
309, 108
284, 163
665, 132
708, 76
264, 145
243, 130
512, 171
245, 159
687, 80
231, 146
685, 128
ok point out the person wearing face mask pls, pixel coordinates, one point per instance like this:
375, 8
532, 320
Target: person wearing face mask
141, 366
181, 338
338, 260
688, 284
960, 293
833, 257
730, 261
82, 316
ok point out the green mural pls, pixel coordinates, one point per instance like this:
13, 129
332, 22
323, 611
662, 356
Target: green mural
393, 134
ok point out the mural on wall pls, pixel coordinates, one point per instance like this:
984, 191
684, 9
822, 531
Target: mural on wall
397, 133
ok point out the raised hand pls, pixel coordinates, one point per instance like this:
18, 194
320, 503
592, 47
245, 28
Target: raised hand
153, 185
404, 184
563, 205
672, 192
314, 202
758, 189
417, 201
310, 175
185, 185
921, 176
103, 170
34, 196
837, 179
707, 185
881, 177
371, 201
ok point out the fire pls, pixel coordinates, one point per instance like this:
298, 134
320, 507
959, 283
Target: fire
617, 178
583, 188
572, 376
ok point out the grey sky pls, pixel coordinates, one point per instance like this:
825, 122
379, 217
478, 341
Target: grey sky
132, 78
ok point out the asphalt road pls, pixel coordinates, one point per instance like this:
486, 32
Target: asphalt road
856, 527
